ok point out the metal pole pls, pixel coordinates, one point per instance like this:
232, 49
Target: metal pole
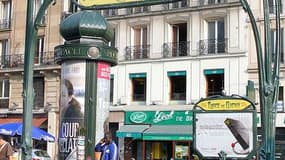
31, 33
268, 77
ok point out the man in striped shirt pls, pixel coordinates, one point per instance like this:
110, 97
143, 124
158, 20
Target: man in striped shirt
108, 148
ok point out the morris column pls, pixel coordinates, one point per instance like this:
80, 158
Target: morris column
85, 60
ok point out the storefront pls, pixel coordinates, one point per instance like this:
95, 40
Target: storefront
157, 135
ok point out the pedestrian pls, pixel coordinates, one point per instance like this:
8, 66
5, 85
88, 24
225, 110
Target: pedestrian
107, 147
6, 150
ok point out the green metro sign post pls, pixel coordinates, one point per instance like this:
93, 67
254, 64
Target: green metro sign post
268, 76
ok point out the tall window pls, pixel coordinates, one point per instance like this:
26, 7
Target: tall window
37, 6
273, 44
216, 36
140, 38
215, 81
272, 6
5, 14
138, 86
179, 39
38, 92
38, 59
4, 53
177, 85
4, 93
111, 87
280, 102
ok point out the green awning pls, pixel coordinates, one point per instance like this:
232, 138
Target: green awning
137, 75
133, 131
176, 73
168, 132
213, 71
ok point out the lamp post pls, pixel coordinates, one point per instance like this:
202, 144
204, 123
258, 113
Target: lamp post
268, 76
31, 33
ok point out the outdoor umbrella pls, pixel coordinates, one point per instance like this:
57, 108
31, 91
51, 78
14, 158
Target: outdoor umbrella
15, 129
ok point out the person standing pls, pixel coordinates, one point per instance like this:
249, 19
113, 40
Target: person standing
6, 150
107, 147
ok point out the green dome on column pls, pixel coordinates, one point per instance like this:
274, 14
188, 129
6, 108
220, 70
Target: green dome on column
84, 24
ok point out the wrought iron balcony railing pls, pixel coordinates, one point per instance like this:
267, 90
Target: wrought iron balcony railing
180, 4
17, 60
176, 49
212, 46
137, 52
5, 24
211, 2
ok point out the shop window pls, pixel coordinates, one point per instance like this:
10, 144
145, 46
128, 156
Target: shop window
38, 59
215, 82
138, 86
38, 92
280, 102
111, 88
273, 44
182, 150
4, 93
179, 45
177, 85
158, 150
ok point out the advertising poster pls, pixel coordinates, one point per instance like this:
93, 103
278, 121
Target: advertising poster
228, 132
71, 107
103, 97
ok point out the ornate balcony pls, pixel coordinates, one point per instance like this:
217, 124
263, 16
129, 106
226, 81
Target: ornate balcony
176, 49
212, 46
17, 60
137, 52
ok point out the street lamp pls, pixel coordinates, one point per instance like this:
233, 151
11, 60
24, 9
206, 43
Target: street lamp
268, 76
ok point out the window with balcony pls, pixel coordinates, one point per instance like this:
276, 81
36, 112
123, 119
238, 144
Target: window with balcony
216, 42
5, 14
180, 4
38, 92
138, 86
139, 41
214, 81
4, 93
273, 44
4, 48
39, 51
177, 81
272, 6
179, 45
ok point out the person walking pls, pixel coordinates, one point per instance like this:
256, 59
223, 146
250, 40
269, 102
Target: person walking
6, 150
107, 147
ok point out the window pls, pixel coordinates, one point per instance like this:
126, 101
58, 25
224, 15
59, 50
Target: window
4, 93
140, 40
272, 6
5, 14
4, 53
38, 59
280, 102
214, 81
138, 86
112, 43
177, 85
216, 36
111, 87
179, 39
38, 92
273, 44
37, 6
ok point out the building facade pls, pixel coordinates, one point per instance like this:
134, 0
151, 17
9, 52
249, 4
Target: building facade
170, 56
46, 75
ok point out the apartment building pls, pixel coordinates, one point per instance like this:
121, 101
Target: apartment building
46, 77
170, 56
257, 8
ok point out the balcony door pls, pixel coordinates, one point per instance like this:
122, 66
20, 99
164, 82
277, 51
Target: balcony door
216, 36
4, 59
140, 42
179, 39
5, 14
38, 59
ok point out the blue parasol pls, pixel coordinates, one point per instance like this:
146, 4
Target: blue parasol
15, 129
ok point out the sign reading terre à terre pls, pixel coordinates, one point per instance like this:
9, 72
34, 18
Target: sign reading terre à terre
224, 104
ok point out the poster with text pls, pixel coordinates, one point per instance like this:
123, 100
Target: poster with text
103, 99
72, 97
228, 132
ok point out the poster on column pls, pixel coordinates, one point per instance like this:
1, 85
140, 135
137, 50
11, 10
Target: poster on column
103, 99
71, 107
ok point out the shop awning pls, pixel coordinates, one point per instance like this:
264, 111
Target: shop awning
133, 131
36, 121
168, 132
